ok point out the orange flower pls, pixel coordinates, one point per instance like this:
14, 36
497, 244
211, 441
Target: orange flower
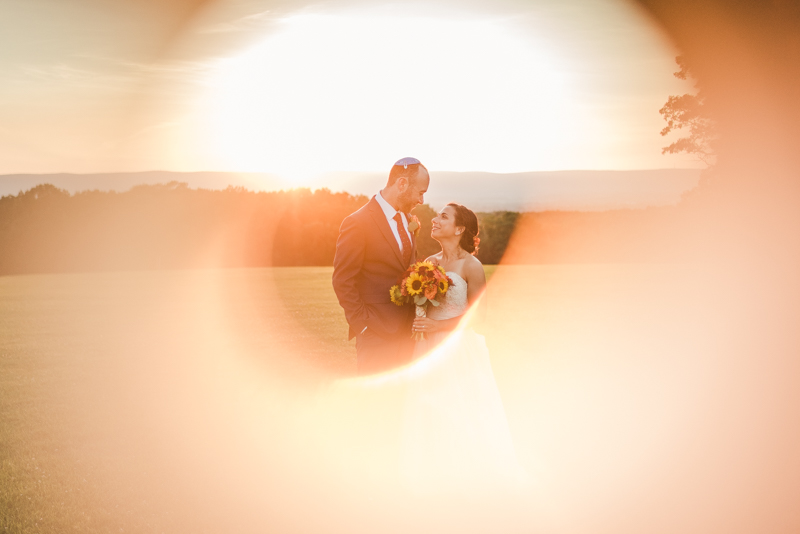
430, 292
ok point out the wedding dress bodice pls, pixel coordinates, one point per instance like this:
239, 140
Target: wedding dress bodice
454, 302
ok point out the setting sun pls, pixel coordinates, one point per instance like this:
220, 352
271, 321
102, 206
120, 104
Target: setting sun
334, 92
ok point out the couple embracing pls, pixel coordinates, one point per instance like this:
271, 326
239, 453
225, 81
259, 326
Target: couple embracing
454, 422
376, 245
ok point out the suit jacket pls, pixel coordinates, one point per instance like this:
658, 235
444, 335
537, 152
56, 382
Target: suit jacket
367, 263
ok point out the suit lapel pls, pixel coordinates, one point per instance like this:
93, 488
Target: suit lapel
380, 219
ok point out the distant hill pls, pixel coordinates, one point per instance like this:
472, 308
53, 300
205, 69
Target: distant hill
543, 191
481, 191
12, 184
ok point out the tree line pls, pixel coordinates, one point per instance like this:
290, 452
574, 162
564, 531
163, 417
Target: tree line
172, 226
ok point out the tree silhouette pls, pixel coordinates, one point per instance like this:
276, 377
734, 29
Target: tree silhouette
495, 232
690, 112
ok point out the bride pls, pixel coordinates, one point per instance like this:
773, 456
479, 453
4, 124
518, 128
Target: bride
455, 431
456, 230
437, 425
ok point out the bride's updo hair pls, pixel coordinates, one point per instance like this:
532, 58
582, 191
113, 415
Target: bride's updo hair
466, 218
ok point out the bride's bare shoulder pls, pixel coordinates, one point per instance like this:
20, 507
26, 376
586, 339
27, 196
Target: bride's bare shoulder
473, 268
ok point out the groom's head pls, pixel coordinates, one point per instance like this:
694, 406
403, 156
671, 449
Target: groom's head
408, 181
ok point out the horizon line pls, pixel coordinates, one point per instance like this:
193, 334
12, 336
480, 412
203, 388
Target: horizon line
341, 171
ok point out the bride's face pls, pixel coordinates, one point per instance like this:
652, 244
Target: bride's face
443, 225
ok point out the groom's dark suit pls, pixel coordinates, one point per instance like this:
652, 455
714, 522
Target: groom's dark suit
368, 262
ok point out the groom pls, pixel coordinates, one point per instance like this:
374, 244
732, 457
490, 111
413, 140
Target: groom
374, 249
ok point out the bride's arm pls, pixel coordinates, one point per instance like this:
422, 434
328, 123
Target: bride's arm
476, 287
426, 324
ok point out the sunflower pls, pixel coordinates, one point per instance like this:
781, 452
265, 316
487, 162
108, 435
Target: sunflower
443, 285
414, 284
396, 295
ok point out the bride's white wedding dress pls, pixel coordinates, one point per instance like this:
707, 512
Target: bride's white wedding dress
455, 432
436, 426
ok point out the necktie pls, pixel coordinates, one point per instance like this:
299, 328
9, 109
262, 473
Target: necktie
403, 238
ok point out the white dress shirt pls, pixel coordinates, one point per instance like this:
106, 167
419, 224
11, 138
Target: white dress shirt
390, 212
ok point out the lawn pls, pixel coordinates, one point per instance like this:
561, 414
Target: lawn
166, 401
78, 351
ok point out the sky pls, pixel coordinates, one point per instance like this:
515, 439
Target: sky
299, 88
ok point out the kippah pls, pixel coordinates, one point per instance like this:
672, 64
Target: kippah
405, 162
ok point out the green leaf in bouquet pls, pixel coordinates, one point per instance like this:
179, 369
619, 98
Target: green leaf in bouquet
435, 303
419, 300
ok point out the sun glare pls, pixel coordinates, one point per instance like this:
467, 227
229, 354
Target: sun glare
336, 92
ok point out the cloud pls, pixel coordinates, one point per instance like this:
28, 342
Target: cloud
255, 21
109, 74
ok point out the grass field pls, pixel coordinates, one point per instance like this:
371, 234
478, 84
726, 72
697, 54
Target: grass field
108, 383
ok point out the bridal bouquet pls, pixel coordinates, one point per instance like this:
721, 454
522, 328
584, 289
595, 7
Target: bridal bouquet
423, 283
